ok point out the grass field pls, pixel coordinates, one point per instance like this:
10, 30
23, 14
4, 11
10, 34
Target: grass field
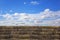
29, 33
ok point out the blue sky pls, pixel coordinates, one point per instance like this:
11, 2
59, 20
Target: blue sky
30, 12
28, 7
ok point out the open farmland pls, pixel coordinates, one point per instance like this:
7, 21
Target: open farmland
29, 33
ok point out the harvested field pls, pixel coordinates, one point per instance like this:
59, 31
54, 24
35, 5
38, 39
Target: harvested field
29, 33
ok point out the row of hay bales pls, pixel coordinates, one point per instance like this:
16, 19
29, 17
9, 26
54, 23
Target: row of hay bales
29, 33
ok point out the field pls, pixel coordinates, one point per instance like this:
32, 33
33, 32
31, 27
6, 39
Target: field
29, 33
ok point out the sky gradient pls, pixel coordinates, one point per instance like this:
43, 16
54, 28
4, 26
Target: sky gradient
29, 6
30, 12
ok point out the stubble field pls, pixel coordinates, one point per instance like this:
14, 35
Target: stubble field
29, 33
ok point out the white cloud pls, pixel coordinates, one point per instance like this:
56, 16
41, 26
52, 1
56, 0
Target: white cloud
34, 3
44, 18
24, 2
47, 10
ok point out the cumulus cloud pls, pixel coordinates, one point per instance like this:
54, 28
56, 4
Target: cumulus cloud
44, 18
